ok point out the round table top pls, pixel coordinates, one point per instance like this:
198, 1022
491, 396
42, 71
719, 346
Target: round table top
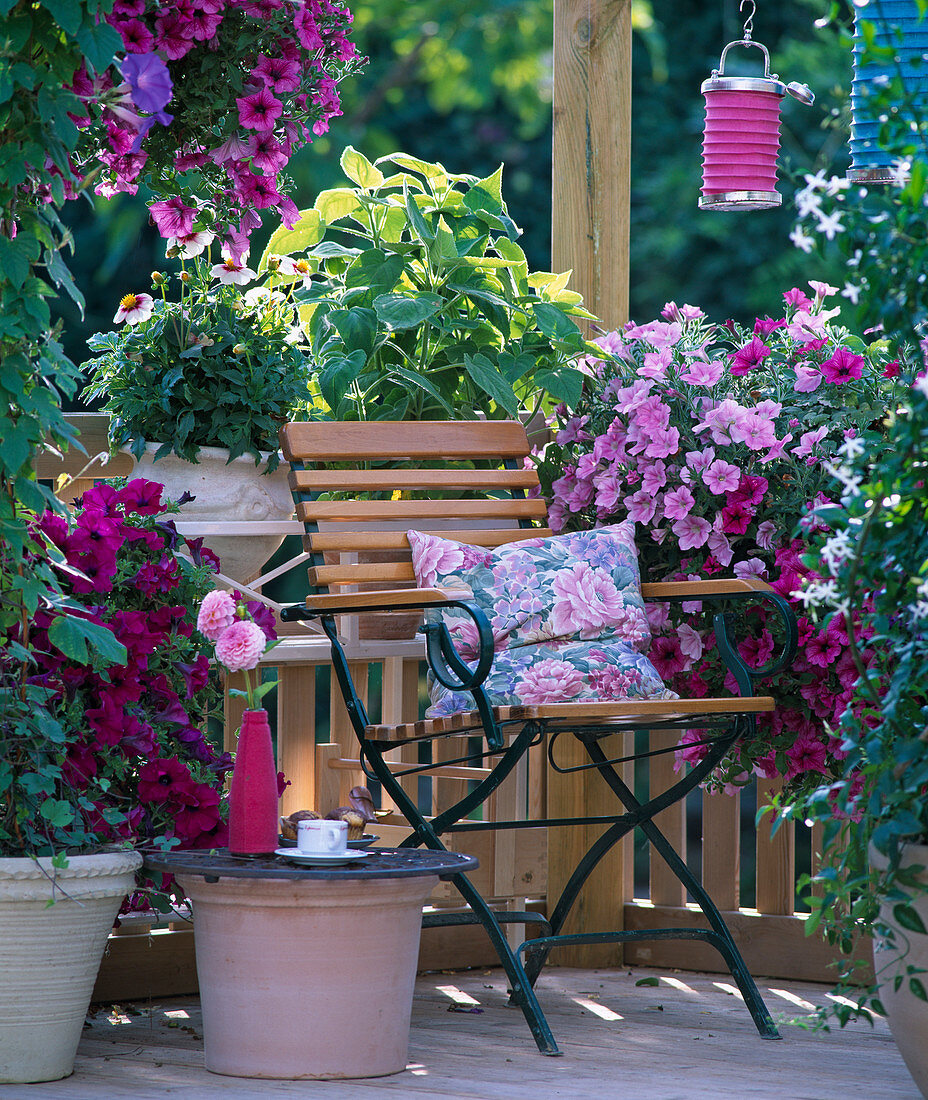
369, 863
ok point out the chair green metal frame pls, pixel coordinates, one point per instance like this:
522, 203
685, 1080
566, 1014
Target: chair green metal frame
507, 734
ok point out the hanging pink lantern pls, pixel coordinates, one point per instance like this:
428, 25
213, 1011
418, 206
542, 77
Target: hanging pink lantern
742, 136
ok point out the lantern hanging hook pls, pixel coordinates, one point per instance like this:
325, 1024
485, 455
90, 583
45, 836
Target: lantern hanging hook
749, 22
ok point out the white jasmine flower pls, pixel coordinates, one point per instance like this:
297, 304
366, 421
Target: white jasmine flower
851, 292
801, 239
829, 224
900, 172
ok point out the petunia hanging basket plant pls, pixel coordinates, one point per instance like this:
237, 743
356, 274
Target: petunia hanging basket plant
715, 440
206, 103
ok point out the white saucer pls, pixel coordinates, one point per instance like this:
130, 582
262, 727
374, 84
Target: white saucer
320, 859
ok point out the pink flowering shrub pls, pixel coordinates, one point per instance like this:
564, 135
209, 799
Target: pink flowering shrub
714, 440
206, 102
136, 762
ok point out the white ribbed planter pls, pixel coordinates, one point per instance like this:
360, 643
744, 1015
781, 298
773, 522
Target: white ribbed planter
907, 1015
226, 492
49, 957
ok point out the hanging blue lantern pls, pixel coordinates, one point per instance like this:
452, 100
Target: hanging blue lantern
899, 27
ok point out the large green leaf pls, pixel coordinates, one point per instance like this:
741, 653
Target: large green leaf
359, 169
488, 377
16, 256
336, 203
554, 323
337, 375
99, 43
375, 270
306, 234
421, 381
66, 13
487, 194
564, 384
79, 639
400, 312
416, 218
357, 327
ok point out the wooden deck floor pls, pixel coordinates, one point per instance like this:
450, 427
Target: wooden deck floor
688, 1037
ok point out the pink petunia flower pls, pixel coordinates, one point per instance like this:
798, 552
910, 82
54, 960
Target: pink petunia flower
241, 645
750, 356
172, 217
808, 378
216, 614
692, 531
699, 373
721, 476
259, 111
678, 503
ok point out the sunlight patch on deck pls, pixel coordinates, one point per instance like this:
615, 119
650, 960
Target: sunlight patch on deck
597, 1009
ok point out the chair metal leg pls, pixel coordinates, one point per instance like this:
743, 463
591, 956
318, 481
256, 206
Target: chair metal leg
521, 990
722, 939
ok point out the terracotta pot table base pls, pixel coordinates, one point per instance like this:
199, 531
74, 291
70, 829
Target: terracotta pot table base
307, 972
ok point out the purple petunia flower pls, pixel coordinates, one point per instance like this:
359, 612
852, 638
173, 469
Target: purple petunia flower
149, 80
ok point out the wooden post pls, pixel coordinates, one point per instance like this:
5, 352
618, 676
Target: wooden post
590, 220
592, 151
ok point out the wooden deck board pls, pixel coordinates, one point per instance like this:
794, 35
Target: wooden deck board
669, 1043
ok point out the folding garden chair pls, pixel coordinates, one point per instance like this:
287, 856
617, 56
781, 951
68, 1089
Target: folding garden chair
358, 486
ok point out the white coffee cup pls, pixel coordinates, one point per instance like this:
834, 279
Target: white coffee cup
322, 837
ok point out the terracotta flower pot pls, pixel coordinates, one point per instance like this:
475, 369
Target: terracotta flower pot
308, 978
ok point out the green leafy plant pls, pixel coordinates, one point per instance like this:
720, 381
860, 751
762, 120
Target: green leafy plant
217, 367
418, 302
877, 548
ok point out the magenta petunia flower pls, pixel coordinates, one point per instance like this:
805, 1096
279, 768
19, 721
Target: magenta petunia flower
750, 356
280, 73
136, 37
241, 646
174, 35
259, 111
172, 217
843, 366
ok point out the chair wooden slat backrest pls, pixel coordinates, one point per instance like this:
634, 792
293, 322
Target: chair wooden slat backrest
388, 476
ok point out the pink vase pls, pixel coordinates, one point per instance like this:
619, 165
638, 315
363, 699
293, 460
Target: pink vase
253, 816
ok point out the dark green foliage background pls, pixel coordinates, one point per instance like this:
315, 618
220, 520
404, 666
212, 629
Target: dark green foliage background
468, 82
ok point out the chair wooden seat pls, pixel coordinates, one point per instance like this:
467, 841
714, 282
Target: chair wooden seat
358, 487
622, 715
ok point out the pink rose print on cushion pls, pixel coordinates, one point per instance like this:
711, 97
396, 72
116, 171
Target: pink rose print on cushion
587, 599
550, 681
431, 556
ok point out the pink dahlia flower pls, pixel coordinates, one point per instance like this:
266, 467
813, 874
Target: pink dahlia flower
241, 646
216, 614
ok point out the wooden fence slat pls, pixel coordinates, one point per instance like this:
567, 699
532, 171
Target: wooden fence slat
666, 888
776, 858
296, 735
721, 848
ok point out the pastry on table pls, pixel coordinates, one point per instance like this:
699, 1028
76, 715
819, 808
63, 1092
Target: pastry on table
352, 817
289, 824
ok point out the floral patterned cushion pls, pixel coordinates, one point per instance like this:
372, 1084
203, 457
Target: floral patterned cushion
566, 612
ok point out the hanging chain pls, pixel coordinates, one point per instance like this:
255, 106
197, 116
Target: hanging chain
749, 22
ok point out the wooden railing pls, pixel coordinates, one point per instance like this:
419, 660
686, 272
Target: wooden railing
322, 766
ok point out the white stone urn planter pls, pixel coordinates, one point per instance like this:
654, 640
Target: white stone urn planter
907, 1015
50, 955
226, 492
